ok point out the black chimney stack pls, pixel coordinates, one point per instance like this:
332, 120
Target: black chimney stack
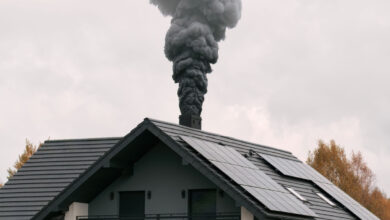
192, 121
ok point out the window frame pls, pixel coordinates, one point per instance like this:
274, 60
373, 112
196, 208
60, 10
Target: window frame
189, 199
326, 199
296, 194
130, 191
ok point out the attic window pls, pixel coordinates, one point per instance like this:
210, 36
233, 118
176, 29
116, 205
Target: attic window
296, 194
326, 199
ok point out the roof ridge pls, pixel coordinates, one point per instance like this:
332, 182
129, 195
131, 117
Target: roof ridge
215, 134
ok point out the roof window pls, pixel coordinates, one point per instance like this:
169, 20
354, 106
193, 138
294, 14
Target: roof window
296, 194
326, 199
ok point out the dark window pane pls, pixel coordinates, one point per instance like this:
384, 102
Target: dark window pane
132, 204
203, 202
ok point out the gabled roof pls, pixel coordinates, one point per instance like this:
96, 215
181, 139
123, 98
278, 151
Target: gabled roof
101, 161
48, 172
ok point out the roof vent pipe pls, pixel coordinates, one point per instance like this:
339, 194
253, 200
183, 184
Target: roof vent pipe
192, 121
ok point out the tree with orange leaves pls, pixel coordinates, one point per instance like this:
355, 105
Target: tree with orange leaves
353, 176
29, 150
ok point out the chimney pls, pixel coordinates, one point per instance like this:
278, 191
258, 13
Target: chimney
192, 121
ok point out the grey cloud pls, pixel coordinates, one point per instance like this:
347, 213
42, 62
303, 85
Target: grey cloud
290, 73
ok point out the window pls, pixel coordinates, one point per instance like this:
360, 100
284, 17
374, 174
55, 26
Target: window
296, 194
326, 199
132, 203
203, 202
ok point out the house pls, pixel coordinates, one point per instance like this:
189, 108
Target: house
167, 171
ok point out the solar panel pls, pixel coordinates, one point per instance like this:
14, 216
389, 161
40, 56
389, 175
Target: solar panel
295, 169
301, 170
249, 177
219, 153
280, 201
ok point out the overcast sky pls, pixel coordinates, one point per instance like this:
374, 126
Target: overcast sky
291, 73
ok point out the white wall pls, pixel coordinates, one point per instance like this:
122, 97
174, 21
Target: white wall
76, 209
245, 214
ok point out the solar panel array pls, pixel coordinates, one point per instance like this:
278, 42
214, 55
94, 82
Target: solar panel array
295, 169
252, 179
303, 171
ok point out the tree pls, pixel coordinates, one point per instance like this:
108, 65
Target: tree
365, 179
29, 150
353, 176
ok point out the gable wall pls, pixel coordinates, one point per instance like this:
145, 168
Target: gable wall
162, 172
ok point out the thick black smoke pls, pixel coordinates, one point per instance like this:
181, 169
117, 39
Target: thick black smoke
192, 43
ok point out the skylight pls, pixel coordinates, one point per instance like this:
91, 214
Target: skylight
296, 194
326, 199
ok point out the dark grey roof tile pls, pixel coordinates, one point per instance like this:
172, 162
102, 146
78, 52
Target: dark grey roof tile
58, 163
48, 172
41, 189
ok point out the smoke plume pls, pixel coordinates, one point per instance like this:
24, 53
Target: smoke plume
192, 43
